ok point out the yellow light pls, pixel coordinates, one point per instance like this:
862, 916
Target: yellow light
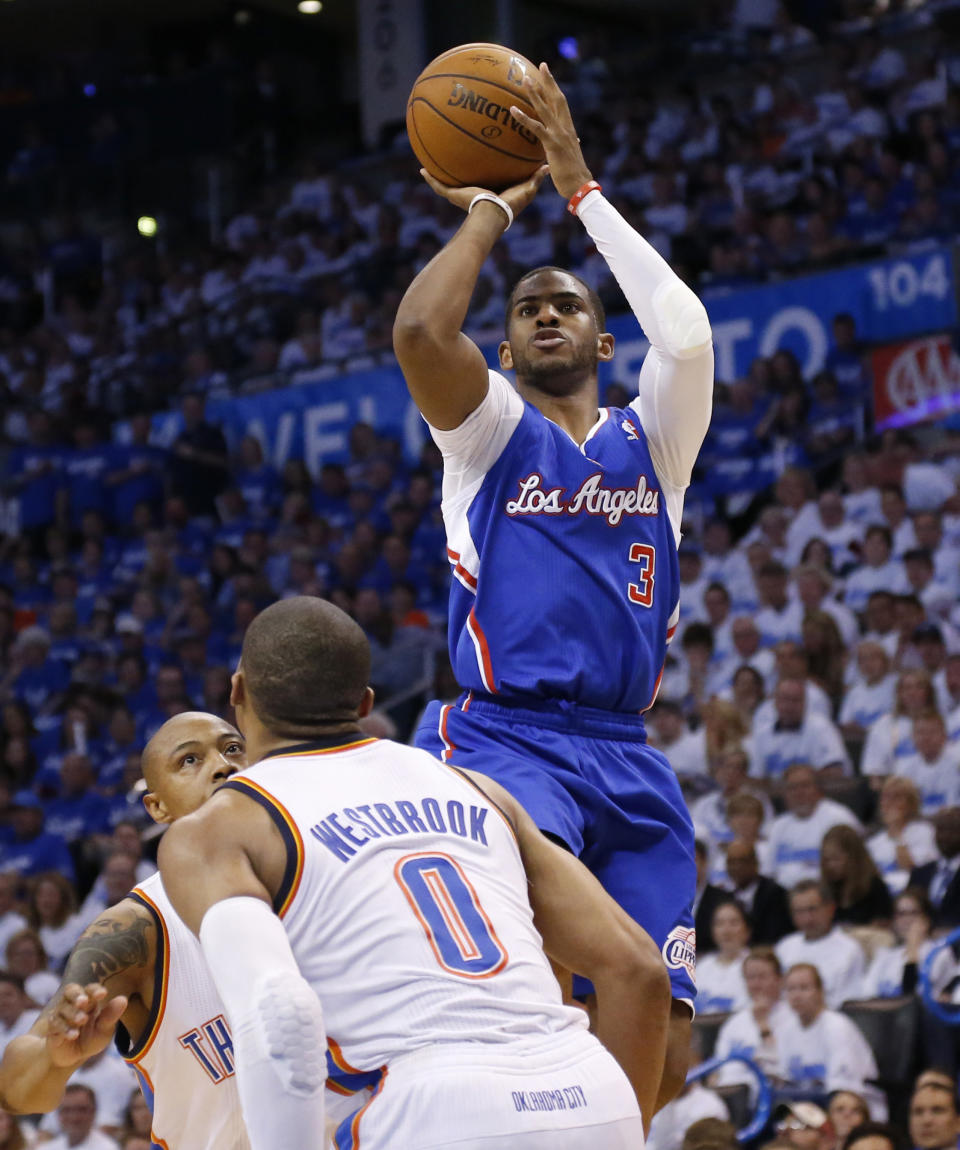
147, 226
310, 7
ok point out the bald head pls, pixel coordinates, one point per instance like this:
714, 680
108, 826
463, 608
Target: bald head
180, 734
190, 757
305, 666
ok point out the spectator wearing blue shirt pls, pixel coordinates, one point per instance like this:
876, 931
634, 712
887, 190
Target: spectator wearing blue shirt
78, 811
36, 677
34, 478
136, 475
259, 483
85, 470
33, 849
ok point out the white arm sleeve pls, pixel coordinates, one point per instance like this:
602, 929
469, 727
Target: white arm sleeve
279, 1040
676, 381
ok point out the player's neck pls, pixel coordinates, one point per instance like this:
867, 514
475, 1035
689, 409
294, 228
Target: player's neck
263, 742
575, 413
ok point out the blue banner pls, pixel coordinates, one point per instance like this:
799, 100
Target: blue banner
889, 299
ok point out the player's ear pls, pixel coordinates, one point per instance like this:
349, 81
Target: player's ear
605, 342
506, 356
156, 809
366, 703
238, 692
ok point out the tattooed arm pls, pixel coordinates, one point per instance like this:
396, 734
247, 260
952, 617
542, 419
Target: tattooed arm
108, 977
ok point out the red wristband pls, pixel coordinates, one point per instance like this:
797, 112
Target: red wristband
574, 201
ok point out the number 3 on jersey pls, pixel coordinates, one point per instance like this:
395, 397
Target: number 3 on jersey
642, 592
446, 905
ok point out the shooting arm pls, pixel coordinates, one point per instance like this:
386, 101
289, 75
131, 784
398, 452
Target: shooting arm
676, 382
111, 963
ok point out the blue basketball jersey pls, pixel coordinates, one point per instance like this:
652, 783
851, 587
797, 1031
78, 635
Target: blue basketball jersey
564, 558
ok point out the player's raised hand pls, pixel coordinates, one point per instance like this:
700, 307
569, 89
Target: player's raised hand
518, 197
555, 130
80, 1023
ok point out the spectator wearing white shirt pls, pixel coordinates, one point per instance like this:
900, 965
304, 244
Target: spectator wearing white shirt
906, 841
813, 586
716, 602
946, 683
720, 984
686, 750
894, 970
880, 618
894, 508
778, 617
791, 661
842, 536
935, 765
747, 693
753, 1031
17, 1013
889, 741
796, 736
796, 492
77, 1114
861, 500
879, 572
693, 583
11, 920
936, 597
709, 813
796, 835
819, 941
821, 1049
871, 695
52, 913
745, 651
723, 564
27, 959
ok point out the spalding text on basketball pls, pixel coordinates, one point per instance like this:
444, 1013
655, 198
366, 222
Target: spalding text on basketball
461, 97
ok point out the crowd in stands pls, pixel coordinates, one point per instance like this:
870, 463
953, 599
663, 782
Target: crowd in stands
811, 701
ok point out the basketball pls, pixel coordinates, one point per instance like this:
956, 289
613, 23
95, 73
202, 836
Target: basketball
459, 122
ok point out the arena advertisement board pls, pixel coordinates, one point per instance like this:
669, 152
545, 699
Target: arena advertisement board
889, 299
915, 381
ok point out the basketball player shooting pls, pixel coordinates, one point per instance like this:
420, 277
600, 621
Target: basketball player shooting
563, 521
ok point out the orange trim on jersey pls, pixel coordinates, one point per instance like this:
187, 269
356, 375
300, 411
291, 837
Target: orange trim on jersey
467, 701
337, 1055
293, 883
459, 569
164, 975
486, 666
355, 1124
155, 1139
338, 1089
313, 754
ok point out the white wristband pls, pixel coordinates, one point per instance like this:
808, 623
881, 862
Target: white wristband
493, 200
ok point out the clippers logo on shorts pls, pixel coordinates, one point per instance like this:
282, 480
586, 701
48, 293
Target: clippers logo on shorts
680, 950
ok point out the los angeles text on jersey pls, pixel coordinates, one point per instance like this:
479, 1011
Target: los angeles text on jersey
590, 498
343, 832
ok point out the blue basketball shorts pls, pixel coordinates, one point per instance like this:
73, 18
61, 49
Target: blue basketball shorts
588, 778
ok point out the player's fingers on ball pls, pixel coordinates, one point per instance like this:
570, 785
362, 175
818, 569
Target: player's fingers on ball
526, 121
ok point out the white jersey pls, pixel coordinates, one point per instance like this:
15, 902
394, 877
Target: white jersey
184, 1059
405, 902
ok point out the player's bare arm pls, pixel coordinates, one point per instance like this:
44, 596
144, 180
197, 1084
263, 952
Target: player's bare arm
221, 868
108, 979
584, 930
220, 852
445, 371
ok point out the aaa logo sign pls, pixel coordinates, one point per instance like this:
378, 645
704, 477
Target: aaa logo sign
915, 381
